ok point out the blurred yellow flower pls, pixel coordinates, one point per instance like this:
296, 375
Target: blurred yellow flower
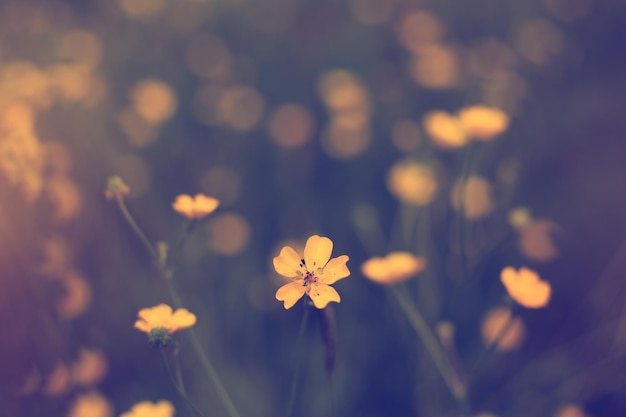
412, 183
196, 207
311, 275
444, 130
162, 408
393, 268
162, 317
526, 287
91, 404
483, 123
493, 326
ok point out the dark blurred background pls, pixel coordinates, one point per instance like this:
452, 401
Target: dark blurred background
293, 113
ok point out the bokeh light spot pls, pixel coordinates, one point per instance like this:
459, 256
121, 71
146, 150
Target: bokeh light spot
291, 125
228, 234
477, 197
154, 101
412, 182
208, 57
444, 130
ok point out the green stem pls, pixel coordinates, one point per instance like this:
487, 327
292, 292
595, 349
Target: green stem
433, 347
178, 384
465, 172
133, 224
296, 375
205, 361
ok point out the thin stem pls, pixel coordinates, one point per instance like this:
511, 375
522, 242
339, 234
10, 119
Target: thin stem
133, 224
204, 359
206, 363
433, 347
465, 172
178, 384
296, 375
493, 345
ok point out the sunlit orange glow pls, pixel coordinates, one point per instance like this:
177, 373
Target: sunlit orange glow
483, 123
154, 101
142, 8
209, 57
77, 297
477, 197
21, 154
291, 125
196, 207
343, 91
59, 381
91, 404
406, 135
444, 130
241, 108
539, 41
229, 234
535, 240
223, 183
494, 324
435, 67
394, 268
570, 410
72, 82
526, 287
65, 198
140, 133
90, 367
311, 274
372, 12
162, 316
22, 80
56, 255
162, 408
344, 143
418, 29
81, 47
412, 182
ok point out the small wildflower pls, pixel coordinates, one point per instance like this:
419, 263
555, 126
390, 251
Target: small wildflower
91, 404
162, 408
196, 207
526, 287
160, 321
412, 182
116, 188
483, 123
311, 275
393, 268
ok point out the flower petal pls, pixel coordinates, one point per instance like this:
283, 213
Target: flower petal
204, 205
291, 293
334, 270
181, 319
184, 205
317, 252
322, 294
155, 316
288, 263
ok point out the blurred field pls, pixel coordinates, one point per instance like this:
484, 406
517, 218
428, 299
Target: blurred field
476, 134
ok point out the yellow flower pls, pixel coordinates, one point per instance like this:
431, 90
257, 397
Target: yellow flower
162, 408
483, 123
311, 275
526, 287
412, 182
195, 207
393, 268
162, 317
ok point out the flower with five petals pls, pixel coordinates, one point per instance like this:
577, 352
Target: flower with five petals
312, 274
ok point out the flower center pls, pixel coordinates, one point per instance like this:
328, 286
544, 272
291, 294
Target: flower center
309, 277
